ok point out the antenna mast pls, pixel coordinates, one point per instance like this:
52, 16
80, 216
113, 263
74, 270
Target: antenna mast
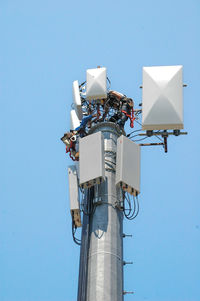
104, 181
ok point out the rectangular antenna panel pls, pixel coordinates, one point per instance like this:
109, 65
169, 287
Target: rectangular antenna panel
74, 121
91, 160
128, 165
74, 195
162, 99
77, 99
96, 83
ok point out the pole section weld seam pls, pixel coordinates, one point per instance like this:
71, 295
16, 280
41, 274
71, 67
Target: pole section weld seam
102, 252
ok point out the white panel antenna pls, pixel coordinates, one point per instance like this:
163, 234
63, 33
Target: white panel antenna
96, 83
128, 165
77, 99
162, 100
91, 160
74, 121
74, 195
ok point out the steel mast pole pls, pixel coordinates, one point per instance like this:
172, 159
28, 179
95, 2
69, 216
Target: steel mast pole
104, 277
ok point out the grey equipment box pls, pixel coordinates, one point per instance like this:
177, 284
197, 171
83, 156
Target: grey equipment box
74, 195
91, 160
128, 165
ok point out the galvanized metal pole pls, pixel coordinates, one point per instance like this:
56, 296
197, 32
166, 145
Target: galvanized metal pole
105, 244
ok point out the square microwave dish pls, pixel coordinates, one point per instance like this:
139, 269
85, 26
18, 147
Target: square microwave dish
162, 98
96, 87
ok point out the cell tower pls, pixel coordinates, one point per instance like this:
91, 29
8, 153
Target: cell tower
104, 181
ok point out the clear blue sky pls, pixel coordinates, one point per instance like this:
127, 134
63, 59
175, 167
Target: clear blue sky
45, 45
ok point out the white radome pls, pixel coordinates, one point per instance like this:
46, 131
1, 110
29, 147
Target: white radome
162, 99
77, 99
96, 83
74, 121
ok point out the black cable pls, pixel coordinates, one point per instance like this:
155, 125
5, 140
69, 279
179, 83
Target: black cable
85, 210
89, 210
138, 207
138, 112
133, 132
134, 206
132, 213
110, 161
82, 84
88, 207
138, 122
74, 228
134, 136
158, 137
130, 210
109, 82
141, 139
135, 214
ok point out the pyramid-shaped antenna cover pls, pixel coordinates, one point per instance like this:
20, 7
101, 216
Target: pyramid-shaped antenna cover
96, 83
162, 99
